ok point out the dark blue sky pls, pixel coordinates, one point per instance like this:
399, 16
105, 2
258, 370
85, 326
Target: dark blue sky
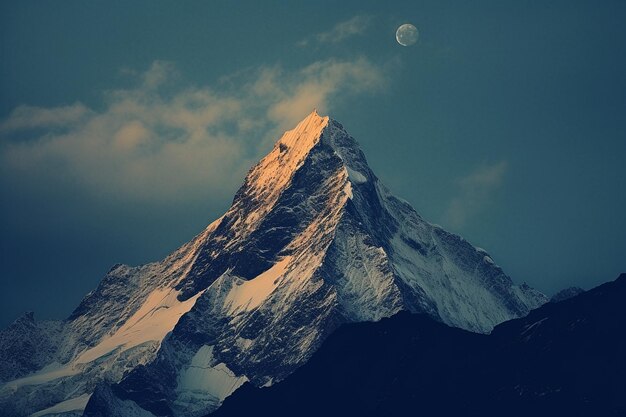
126, 127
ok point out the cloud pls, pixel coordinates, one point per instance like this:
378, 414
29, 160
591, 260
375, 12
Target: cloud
354, 26
476, 192
159, 73
150, 144
30, 117
320, 83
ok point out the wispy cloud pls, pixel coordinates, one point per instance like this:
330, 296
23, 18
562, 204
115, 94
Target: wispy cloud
475, 193
316, 84
150, 145
30, 117
354, 26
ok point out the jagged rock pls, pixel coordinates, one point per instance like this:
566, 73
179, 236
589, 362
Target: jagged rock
565, 294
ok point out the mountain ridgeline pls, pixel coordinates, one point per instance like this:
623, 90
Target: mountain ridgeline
312, 241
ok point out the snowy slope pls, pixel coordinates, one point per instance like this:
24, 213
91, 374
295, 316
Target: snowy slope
117, 327
312, 240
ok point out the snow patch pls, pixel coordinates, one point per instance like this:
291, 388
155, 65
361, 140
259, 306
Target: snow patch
348, 190
455, 299
356, 176
244, 343
77, 404
157, 316
247, 295
205, 383
49, 373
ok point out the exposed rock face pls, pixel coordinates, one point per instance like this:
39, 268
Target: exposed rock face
27, 346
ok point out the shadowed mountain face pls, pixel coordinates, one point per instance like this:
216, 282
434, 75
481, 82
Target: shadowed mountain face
566, 358
312, 240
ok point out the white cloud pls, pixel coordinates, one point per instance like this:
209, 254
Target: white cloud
354, 26
152, 146
476, 192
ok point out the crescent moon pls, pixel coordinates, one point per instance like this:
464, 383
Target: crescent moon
407, 34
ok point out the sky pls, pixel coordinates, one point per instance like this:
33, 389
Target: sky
127, 127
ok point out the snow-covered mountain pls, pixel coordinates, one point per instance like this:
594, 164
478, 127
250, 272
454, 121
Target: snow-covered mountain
311, 241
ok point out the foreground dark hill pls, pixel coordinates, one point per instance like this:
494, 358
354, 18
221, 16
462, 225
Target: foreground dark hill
563, 359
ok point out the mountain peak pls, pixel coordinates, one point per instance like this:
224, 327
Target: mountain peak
311, 240
296, 144
267, 179
305, 135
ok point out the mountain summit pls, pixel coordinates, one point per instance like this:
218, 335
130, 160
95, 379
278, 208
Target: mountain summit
312, 240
